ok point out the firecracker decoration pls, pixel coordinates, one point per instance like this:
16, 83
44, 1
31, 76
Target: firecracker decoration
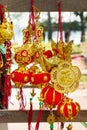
7, 83
68, 109
1, 82
6, 34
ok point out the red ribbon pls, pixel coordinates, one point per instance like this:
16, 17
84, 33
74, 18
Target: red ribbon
30, 117
21, 101
60, 20
1, 12
62, 126
38, 120
6, 91
31, 16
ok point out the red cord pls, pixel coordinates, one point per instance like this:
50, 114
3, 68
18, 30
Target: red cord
60, 20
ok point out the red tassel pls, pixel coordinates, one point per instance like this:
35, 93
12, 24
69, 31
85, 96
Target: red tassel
21, 101
30, 117
60, 19
38, 120
6, 91
62, 126
1, 13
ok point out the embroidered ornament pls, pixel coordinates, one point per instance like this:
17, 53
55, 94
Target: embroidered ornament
40, 78
20, 77
68, 109
50, 97
65, 77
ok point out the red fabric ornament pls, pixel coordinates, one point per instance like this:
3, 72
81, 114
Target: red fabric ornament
23, 57
51, 97
68, 109
40, 78
20, 78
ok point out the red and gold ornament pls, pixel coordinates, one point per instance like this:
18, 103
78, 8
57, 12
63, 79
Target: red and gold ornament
68, 109
20, 78
40, 78
50, 97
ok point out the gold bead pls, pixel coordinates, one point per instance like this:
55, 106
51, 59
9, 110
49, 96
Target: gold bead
32, 79
45, 78
26, 78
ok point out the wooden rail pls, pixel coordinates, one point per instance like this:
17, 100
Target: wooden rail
45, 5
17, 116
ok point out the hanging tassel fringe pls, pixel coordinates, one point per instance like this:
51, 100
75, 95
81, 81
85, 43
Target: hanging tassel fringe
21, 101
6, 91
38, 120
30, 116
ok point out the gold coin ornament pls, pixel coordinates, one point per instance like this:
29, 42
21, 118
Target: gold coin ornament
59, 88
64, 64
51, 119
77, 72
66, 77
73, 87
53, 74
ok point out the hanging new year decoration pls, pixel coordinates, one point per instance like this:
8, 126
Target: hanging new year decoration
6, 34
51, 71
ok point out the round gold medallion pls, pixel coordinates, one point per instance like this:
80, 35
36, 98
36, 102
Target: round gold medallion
53, 74
59, 88
65, 77
73, 87
77, 72
51, 119
64, 64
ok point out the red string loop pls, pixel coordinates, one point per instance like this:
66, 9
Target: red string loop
31, 16
60, 19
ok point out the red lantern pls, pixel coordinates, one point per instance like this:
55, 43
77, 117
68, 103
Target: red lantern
40, 78
20, 78
68, 109
51, 97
